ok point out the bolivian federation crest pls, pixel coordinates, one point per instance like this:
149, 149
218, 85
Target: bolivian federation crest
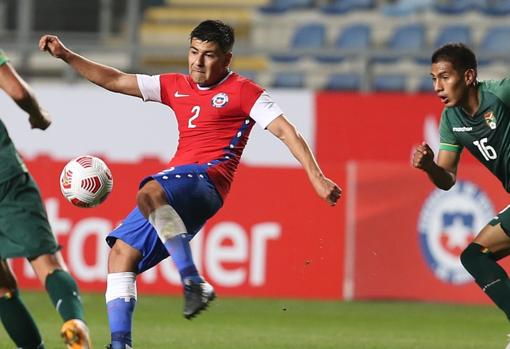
490, 119
448, 222
219, 100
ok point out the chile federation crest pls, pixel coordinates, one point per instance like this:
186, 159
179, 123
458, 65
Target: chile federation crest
448, 222
219, 100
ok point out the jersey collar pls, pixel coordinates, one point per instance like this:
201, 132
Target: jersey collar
201, 88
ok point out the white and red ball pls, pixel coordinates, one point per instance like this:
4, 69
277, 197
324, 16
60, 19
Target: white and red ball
86, 181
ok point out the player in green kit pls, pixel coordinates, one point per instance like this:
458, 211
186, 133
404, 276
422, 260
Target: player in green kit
477, 117
25, 232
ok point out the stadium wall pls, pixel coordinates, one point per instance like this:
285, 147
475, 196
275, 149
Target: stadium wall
393, 236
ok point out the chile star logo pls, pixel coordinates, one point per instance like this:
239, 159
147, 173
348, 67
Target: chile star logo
458, 231
448, 222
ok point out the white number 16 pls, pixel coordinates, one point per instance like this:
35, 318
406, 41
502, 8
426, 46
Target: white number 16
488, 152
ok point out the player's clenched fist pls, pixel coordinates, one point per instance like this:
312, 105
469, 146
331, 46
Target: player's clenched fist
328, 190
40, 119
334, 192
423, 157
53, 45
334, 195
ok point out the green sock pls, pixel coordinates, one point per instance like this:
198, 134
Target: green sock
18, 322
64, 294
488, 274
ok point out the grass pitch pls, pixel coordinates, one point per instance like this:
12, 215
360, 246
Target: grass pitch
280, 324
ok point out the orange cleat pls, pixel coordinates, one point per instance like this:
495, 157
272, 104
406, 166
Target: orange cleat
75, 335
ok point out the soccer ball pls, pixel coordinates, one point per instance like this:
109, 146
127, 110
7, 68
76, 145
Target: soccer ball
86, 181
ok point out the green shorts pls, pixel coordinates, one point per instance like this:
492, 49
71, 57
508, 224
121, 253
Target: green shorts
502, 217
24, 227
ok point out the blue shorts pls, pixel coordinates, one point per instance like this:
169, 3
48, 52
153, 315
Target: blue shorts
190, 192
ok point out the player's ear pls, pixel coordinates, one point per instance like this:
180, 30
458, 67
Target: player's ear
470, 77
228, 59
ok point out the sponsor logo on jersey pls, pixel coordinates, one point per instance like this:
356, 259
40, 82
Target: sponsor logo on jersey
462, 129
219, 100
490, 119
448, 222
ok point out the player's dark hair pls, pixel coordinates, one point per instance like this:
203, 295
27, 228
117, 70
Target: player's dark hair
215, 31
459, 55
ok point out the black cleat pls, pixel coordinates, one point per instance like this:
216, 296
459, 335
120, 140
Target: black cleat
196, 297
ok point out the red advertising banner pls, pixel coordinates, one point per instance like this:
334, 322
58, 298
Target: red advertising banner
408, 235
274, 237
393, 235
382, 126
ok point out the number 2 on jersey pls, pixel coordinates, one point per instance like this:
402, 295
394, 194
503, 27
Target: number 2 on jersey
195, 113
488, 152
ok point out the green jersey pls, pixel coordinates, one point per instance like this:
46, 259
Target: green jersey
3, 58
486, 134
10, 161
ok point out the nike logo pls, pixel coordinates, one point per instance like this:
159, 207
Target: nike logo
177, 94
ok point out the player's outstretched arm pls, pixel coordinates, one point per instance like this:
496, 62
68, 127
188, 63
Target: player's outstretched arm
443, 173
288, 134
110, 78
22, 94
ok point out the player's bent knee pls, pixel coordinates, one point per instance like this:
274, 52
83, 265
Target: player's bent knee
480, 262
7, 280
470, 255
7, 291
123, 258
150, 197
144, 203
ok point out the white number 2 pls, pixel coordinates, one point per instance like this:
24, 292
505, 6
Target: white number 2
196, 112
487, 151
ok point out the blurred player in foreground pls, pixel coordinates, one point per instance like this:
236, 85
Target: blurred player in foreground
215, 110
476, 116
25, 232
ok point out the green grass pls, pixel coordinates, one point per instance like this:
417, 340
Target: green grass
281, 324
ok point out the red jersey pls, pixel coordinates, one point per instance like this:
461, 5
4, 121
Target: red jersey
214, 122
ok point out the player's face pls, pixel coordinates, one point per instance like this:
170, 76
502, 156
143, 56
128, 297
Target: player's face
207, 63
449, 84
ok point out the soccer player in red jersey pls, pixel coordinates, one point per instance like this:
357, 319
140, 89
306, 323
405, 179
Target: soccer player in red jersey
215, 110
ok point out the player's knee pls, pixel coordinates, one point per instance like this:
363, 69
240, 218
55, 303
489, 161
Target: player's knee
143, 201
149, 197
8, 284
471, 255
6, 291
123, 258
7, 280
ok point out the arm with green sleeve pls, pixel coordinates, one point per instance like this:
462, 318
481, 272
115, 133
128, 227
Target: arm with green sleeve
442, 173
22, 94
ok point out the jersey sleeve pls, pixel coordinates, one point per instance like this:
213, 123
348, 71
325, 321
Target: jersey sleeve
167, 81
265, 110
501, 88
150, 87
258, 104
447, 138
3, 58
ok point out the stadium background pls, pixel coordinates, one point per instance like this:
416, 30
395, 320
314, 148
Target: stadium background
351, 74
